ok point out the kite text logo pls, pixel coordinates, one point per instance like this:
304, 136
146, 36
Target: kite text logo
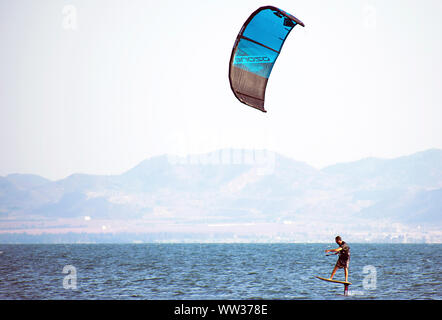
251, 59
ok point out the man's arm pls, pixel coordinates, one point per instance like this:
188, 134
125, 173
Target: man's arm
334, 250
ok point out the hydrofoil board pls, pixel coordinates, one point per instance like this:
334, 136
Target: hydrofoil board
335, 281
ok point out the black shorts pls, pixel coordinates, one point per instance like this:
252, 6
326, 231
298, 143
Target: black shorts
343, 263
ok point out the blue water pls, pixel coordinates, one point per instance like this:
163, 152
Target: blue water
217, 271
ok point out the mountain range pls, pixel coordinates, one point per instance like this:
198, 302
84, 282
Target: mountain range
232, 186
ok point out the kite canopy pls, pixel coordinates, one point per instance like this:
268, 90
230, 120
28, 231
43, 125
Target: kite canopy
255, 51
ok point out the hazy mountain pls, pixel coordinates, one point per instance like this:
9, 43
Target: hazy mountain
26, 181
238, 185
418, 207
11, 197
421, 169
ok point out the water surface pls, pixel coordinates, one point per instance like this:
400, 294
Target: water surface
217, 271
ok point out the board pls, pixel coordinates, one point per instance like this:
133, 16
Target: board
335, 281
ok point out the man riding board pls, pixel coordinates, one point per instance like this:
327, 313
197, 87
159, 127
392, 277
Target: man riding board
344, 257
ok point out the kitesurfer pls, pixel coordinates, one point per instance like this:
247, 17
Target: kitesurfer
344, 257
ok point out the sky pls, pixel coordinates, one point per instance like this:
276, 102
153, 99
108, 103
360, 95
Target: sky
98, 86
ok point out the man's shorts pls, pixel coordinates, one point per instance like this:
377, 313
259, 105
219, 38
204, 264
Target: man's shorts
343, 263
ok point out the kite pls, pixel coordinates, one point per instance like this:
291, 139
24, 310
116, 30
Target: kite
255, 51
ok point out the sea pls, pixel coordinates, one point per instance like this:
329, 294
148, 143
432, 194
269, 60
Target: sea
225, 271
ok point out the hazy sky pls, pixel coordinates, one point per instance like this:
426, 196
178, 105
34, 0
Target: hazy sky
98, 86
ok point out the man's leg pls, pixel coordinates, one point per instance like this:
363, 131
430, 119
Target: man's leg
346, 274
333, 272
